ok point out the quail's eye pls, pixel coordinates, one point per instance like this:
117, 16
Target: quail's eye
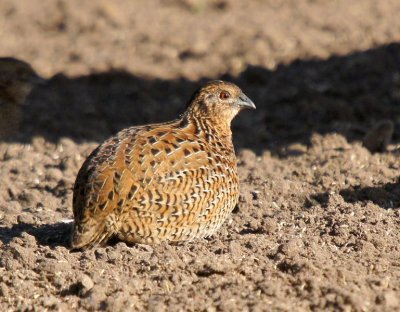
224, 95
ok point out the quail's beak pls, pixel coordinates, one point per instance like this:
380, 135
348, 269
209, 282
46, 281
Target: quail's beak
245, 103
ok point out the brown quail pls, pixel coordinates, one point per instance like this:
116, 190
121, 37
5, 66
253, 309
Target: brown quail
173, 181
17, 79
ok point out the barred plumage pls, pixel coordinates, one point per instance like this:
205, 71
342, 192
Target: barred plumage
163, 182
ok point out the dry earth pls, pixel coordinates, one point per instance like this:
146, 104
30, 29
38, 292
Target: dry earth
318, 223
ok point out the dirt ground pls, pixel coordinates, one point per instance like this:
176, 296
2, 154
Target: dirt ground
318, 222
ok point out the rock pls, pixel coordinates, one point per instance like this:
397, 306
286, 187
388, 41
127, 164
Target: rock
247, 157
113, 256
54, 266
51, 302
390, 299
3, 290
94, 298
270, 226
54, 174
28, 240
85, 284
26, 218
291, 248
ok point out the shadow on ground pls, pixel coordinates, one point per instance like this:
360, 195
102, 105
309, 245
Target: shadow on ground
386, 196
57, 234
345, 94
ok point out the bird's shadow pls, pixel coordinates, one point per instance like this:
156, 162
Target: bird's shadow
52, 235
342, 94
386, 196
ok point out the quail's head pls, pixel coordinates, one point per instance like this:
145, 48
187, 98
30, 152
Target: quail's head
219, 100
17, 79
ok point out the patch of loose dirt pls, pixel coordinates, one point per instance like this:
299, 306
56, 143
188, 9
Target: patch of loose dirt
318, 223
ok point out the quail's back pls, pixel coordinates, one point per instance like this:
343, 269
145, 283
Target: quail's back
163, 182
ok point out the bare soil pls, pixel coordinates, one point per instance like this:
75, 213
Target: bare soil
318, 223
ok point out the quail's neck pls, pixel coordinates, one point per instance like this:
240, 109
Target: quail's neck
221, 129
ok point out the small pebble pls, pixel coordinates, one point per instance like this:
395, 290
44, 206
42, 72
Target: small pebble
255, 195
54, 174
85, 284
270, 226
26, 218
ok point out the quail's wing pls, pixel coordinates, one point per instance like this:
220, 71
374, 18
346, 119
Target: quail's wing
104, 176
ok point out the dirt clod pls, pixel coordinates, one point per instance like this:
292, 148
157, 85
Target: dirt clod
84, 284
